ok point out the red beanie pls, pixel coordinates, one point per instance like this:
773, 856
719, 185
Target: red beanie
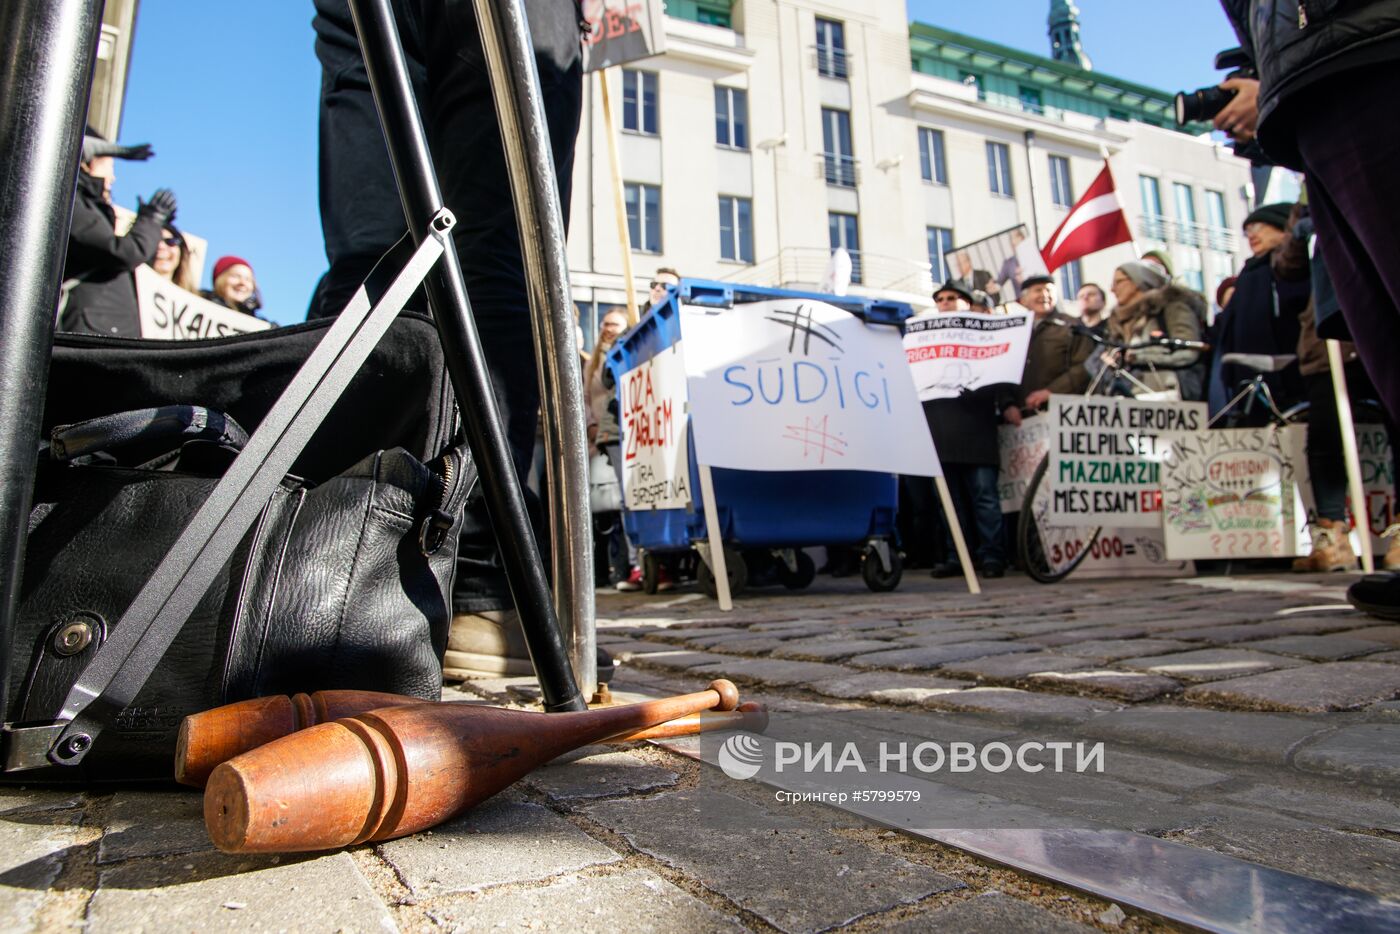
224, 263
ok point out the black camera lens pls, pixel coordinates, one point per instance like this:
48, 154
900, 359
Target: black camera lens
1201, 104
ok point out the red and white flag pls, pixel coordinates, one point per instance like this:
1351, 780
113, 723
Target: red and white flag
1096, 222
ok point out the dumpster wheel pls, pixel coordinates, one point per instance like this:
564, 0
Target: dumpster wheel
799, 577
734, 564
877, 576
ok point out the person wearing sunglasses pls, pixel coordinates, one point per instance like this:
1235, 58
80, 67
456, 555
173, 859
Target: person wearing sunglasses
665, 278
173, 260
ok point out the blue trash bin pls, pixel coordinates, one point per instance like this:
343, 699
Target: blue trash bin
766, 517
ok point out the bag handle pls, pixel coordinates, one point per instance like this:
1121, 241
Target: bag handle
175, 423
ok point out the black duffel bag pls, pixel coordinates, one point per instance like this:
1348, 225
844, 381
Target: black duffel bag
342, 582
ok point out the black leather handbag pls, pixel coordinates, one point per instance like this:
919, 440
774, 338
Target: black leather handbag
342, 582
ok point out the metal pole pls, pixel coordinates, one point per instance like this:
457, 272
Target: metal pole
447, 293
515, 84
49, 49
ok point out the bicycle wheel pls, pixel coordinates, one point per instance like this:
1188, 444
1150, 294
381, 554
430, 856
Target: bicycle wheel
1049, 552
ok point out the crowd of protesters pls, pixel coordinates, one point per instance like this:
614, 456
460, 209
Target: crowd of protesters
99, 290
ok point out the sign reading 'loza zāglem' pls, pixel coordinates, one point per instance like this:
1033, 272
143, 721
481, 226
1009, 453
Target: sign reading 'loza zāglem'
799, 384
1106, 457
651, 407
950, 354
170, 313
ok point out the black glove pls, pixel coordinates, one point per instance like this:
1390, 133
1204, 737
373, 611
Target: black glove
94, 147
161, 207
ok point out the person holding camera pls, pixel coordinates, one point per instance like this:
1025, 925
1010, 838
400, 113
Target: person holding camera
1324, 105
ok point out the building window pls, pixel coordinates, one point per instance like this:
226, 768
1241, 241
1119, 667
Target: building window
736, 229
1118, 115
999, 168
1071, 278
1061, 193
1185, 203
940, 243
639, 101
1030, 100
1215, 209
1151, 192
843, 233
643, 216
840, 163
1192, 271
732, 117
932, 163
831, 48
714, 14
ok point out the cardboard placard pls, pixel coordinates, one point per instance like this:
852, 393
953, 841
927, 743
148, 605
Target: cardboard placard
170, 313
961, 351
1021, 448
621, 31
1106, 458
798, 384
655, 437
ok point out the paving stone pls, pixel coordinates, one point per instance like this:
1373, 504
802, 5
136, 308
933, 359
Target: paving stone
771, 671
1325, 648
1107, 650
226, 893
32, 850
795, 876
738, 646
1316, 625
17, 798
131, 832
1009, 668
828, 651
1160, 770
1210, 664
868, 684
931, 656
1249, 737
991, 912
1385, 710
1084, 634
503, 840
599, 775
952, 637
1120, 685
626, 651
1390, 658
1355, 861
1240, 632
1023, 707
1313, 689
678, 660
1368, 752
1035, 626
1346, 806
1390, 635
634, 901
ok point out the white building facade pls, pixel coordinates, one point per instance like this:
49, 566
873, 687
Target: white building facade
763, 138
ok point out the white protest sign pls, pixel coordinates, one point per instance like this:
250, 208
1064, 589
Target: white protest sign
1021, 449
1106, 458
1377, 482
170, 313
621, 31
652, 419
798, 384
1231, 493
952, 353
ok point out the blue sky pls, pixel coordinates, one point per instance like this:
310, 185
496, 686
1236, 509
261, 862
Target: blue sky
227, 95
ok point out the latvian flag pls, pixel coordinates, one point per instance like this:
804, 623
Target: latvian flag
1096, 222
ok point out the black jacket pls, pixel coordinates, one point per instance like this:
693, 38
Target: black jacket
964, 428
1262, 318
104, 299
1296, 43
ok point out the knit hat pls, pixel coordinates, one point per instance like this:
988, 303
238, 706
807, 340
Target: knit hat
1275, 215
1225, 285
1143, 275
1161, 258
224, 263
952, 286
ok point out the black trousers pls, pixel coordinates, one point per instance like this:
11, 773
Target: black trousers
362, 216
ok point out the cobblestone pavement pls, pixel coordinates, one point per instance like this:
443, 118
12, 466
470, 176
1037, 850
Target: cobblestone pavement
1252, 716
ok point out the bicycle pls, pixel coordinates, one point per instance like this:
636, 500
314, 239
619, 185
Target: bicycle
1050, 553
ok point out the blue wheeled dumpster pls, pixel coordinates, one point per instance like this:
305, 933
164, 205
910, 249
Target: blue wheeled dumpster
766, 517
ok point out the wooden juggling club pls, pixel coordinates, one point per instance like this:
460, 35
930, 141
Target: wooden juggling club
398, 770
214, 736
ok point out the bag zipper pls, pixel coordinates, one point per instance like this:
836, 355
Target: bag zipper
432, 534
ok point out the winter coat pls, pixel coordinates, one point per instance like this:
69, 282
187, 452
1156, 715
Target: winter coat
1171, 311
1291, 263
1296, 43
1056, 357
103, 300
964, 428
602, 410
1262, 318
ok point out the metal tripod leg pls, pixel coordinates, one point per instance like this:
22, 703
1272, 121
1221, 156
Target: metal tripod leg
447, 293
50, 48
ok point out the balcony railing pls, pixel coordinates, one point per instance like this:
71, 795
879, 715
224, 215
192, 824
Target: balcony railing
832, 63
1201, 236
805, 267
838, 170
